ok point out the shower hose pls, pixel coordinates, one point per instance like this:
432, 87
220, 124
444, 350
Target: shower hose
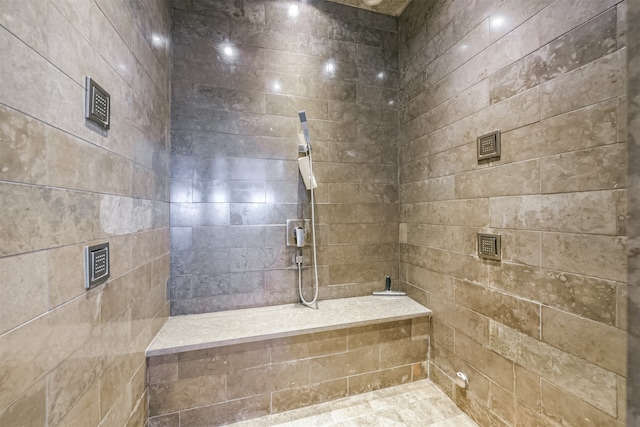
314, 302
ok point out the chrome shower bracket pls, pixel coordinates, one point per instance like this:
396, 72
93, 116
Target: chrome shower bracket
292, 224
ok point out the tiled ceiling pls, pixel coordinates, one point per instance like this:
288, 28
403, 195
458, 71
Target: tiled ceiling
388, 7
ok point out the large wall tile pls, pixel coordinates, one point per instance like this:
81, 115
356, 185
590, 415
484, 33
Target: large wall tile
588, 212
586, 43
594, 82
591, 169
600, 344
22, 148
574, 253
563, 369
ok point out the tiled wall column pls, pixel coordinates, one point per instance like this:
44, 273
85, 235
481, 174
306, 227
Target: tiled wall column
633, 181
239, 79
541, 334
71, 357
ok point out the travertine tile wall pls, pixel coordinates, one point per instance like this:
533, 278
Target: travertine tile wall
218, 386
541, 334
69, 357
235, 178
633, 227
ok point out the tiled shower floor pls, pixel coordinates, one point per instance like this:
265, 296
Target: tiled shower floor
417, 404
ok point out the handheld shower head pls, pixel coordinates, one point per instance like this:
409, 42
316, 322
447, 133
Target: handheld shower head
305, 127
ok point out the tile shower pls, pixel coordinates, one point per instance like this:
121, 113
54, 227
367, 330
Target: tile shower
395, 105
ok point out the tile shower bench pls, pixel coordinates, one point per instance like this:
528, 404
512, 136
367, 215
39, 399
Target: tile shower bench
216, 368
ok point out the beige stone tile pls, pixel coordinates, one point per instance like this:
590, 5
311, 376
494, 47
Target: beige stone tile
519, 314
456, 160
518, 111
621, 212
430, 281
512, 14
266, 379
396, 354
305, 346
185, 394
590, 382
374, 335
586, 170
31, 222
170, 420
337, 254
469, 213
86, 411
518, 246
420, 371
305, 396
600, 344
379, 379
503, 403
30, 409
120, 372
443, 335
342, 365
27, 22
363, 233
476, 409
528, 416
24, 64
457, 107
24, 291
376, 213
444, 360
119, 294
372, 252
22, 147
588, 212
72, 53
593, 40
428, 190
420, 328
561, 17
28, 352
363, 193
573, 253
68, 282
595, 82
565, 408
586, 127
518, 178
527, 386
622, 118
415, 414
120, 411
158, 372
474, 42
621, 309
460, 318
317, 109
508, 49
622, 399
378, 174
75, 376
586, 296
479, 385
489, 363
